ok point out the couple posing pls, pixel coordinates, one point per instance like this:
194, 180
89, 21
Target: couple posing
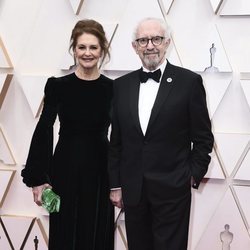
159, 145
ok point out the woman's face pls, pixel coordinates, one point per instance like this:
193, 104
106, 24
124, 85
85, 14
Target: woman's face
88, 51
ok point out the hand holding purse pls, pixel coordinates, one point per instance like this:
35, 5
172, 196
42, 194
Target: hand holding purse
50, 200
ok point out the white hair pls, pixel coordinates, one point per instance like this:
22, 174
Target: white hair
161, 22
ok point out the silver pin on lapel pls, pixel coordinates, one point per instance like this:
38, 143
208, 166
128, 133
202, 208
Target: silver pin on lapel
169, 79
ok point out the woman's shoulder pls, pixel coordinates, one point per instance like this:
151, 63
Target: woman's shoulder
56, 80
60, 79
53, 82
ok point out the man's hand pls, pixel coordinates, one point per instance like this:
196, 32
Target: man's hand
116, 198
37, 193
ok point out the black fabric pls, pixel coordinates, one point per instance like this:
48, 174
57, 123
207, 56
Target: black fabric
155, 169
144, 76
77, 169
177, 141
159, 221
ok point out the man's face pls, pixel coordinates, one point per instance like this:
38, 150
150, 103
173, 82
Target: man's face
151, 55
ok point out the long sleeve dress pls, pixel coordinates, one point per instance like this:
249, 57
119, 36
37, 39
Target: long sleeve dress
77, 169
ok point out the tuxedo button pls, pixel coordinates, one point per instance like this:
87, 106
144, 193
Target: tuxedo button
145, 142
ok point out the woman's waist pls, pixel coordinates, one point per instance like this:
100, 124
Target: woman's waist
83, 131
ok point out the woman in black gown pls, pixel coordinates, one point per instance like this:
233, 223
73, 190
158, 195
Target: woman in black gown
77, 170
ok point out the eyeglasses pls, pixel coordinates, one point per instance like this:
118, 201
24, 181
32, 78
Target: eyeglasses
155, 40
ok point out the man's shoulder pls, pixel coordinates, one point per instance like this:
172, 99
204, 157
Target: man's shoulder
184, 71
126, 76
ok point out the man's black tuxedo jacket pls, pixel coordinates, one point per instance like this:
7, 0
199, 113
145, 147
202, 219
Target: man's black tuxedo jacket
178, 139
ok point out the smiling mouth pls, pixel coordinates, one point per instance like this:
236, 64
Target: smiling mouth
87, 59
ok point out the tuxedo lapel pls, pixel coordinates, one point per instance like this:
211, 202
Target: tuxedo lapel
133, 99
166, 85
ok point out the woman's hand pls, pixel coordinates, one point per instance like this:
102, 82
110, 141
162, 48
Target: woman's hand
37, 193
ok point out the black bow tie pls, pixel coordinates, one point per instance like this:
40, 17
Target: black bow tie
144, 76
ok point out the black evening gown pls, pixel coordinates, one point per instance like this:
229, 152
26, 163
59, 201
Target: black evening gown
77, 170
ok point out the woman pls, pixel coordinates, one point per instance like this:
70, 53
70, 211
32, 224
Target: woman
77, 170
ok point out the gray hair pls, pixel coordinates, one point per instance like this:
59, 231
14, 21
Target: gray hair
161, 22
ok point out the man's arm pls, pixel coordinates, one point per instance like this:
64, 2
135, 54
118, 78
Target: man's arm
201, 134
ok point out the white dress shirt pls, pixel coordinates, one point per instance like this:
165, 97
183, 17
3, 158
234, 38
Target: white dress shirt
147, 95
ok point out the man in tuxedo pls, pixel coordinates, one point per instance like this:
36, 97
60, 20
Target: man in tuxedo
160, 143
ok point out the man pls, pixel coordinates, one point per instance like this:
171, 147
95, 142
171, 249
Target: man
160, 143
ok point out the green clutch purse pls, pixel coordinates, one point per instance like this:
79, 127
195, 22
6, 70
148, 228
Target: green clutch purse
50, 201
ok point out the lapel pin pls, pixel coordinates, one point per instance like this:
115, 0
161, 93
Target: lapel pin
169, 79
